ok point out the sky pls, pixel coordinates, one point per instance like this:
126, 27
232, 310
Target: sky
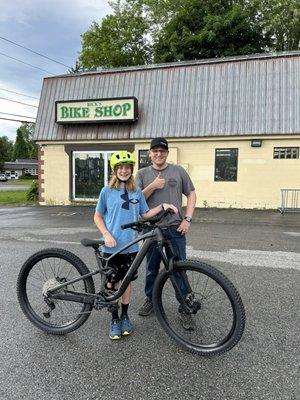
49, 27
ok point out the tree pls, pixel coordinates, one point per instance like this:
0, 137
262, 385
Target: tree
6, 150
77, 68
119, 40
24, 146
208, 29
142, 31
282, 23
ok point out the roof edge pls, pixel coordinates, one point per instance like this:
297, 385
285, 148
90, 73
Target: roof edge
260, 56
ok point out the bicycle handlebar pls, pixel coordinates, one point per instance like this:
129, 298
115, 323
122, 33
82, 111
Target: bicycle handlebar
139, 225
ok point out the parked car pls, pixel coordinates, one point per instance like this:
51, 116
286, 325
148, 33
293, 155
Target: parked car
3, 178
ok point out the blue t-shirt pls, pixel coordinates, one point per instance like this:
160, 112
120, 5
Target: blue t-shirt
118, 207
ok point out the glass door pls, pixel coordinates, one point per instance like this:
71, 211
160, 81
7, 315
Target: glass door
91, 171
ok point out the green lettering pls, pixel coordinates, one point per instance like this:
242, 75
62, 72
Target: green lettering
85, 112
117, 110
108, 111
126, 107
64, 112
77, 113
98, 112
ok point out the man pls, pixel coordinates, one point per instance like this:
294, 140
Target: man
165, 183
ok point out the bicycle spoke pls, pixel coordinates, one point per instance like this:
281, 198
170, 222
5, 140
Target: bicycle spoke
211, 324
47, 271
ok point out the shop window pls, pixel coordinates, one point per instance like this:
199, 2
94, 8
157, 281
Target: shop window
144, 159
286, 152
226, 165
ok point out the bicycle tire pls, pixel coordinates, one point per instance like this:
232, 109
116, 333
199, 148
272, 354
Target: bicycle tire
220, 304
47, 267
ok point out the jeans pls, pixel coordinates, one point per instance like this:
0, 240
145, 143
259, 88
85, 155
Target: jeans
153, 257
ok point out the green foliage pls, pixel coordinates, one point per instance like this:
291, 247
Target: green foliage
282, 23
24, 146
119, 40
13, 197
33, 192
28, 176
211, 29
142, 31
6, 150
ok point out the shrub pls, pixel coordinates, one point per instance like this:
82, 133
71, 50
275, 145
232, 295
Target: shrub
28, 176
33, 192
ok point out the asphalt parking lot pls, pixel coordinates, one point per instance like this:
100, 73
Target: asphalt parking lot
258, 250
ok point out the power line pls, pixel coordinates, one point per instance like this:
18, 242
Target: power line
21, 94
17, 115
17, 120
15, 101
35, 52
23, 62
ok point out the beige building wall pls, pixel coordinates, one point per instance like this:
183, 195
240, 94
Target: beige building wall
260, 177
55, 175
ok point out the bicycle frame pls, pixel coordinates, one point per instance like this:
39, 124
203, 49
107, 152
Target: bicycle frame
154, 236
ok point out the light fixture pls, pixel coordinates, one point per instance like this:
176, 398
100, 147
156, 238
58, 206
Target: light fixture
256, 142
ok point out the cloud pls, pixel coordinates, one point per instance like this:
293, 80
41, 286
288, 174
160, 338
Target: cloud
24, 11
50, 27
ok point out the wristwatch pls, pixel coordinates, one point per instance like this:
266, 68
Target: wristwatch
188, 219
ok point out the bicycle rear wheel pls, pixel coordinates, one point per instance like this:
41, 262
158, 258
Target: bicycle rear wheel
213, 303
44, 270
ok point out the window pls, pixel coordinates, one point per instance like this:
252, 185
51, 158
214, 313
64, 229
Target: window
286, 152
226, 164
144, 159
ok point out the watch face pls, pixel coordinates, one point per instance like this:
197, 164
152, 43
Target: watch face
188, 219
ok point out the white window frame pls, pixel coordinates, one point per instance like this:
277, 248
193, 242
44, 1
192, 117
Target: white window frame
106, 177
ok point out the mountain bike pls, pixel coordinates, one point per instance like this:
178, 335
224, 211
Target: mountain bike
56, 292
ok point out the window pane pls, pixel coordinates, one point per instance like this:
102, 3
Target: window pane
286, 152
144, 159
226, 164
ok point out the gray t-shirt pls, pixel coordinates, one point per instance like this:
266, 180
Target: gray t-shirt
177, 182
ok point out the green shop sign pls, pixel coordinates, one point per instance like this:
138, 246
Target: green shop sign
122, 109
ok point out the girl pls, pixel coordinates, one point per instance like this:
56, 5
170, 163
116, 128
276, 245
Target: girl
122, 202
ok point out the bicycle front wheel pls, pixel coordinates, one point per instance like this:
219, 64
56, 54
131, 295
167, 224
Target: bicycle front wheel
209, 317
43, 271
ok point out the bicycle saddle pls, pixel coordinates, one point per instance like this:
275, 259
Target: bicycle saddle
95, 243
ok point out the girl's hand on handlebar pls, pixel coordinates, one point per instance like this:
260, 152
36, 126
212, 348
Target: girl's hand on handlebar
167, 206
109, 240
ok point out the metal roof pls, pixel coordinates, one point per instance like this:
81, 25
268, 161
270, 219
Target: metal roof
247, 95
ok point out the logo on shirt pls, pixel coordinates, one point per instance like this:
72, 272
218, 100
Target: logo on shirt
127, 200
172, 182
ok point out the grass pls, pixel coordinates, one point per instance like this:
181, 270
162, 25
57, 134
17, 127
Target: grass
20, 181
15, 198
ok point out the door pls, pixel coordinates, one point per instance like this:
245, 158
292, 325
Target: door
91, 171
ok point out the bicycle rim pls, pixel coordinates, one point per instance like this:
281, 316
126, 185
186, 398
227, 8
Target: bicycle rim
219, 322
43, 271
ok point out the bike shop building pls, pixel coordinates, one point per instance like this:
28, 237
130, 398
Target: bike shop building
232, 123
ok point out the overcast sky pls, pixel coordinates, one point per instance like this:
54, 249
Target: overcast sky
49, 27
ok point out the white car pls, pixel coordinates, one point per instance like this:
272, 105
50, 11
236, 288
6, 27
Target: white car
3, 178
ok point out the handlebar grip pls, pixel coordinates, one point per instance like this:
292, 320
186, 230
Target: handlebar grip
130, 225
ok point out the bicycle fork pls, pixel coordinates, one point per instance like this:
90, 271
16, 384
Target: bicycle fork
189, 304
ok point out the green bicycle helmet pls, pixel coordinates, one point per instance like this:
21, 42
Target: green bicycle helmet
121, 157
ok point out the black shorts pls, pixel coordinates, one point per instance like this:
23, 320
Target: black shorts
121, 264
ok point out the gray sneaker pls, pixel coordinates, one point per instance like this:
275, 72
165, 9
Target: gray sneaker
146, 308
187, 321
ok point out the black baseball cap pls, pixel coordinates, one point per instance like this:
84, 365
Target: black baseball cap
159, 142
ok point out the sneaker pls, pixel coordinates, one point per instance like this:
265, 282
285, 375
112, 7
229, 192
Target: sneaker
115, 329
126, 326
146, 308
187, 321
